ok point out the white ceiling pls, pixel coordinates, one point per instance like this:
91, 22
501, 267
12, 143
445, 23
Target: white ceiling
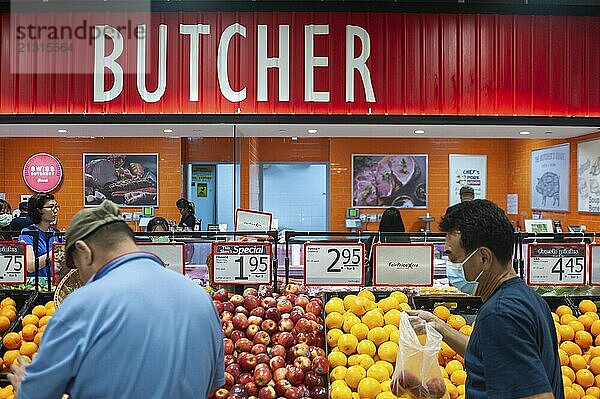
276, 130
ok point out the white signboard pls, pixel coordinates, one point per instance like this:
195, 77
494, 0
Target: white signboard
512, 204
403, 264
556, 264
334, 263
246, 220
171, 253
588, 176
12, 263
241, 263
550, 178
467, 170
594, 264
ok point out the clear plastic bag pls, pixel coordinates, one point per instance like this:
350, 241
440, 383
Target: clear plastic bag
417, 373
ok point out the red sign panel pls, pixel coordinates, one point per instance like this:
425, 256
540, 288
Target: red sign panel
42, 173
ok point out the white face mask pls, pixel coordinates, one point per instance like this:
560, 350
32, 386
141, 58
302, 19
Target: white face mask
5, 219
456, 276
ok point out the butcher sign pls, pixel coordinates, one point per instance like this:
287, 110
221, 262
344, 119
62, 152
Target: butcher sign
42, 173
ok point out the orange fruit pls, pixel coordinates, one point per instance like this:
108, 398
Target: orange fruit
459, 377
467, 329
8, 301
577, 326
566, 332
579, 389
594, 351
38, 338
12, 340
585, 378
593, 315
29, 332
30, 319
563, 309
566, 381
571, 393
50, 311
589, 397
388, 351
8, 312
597, 382
586, 321
44, 320
577, 362
583, 339
10, 356
587, 306
39, 311
593, 391
555, 317
442, 312
456, 321
594, 328
571, 348
4, 323
566, 318
446, 350
595, 365
28, 349
369, 388
564, 358
568, 372
452, 366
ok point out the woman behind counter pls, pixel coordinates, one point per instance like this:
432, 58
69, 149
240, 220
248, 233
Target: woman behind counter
43, 210
186, 209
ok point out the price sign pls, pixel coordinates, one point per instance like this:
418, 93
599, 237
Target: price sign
556, 264
403, 264
12, 263
241, 263
334, 263
594, 264
171, 253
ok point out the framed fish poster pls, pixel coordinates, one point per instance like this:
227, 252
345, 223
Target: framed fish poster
389, 180
129, 180
550, 178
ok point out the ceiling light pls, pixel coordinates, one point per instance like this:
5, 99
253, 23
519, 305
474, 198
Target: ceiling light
282, 131
62, 130
524, 133
419, 131
548, 132
168, 130
294, 138
312, 130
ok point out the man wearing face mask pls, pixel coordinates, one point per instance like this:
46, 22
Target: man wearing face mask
511, 352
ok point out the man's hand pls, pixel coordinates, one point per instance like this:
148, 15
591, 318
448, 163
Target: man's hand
428, 317
18, 371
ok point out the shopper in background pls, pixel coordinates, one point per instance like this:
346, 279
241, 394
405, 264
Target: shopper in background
5, 220
23, 220
117, 336
511, 352
43, 210
466, 193
186, 209
158, 224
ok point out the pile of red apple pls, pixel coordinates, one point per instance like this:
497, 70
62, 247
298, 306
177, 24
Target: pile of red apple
274, 345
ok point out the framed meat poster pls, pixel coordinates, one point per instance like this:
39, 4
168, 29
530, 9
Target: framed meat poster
550, 178
129, 180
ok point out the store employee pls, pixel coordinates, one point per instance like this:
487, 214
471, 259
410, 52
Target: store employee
186, 209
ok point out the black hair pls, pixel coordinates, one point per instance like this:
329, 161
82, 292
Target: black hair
157, 221
35, 204
481, 223
5, 207
391, 221
23, 206
182, 203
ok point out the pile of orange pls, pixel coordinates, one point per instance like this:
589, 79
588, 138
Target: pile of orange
26, 342
7, 392
8, 312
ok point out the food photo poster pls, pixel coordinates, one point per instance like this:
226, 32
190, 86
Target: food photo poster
129, 180
588, 176
550, 178
389, 180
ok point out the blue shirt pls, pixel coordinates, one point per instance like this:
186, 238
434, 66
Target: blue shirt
44, 246
512, 352
136, 330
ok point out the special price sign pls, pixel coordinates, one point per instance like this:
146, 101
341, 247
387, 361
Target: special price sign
330, 263
241, 263
556, 264
403, 264
12, 263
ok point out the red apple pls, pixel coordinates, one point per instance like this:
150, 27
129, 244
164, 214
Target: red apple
222, 393
251, 330
242, 309
304, 391
436, 387
228, 307
293, 393
240, 321
256, 320
320, 365
316, 351
301, 300
250, 302
258, 311
312, 379
300, 350
278, 350
273, 313
269, 326
251, 388
408, 380
291, 289
294, 375
280, 374
234, 369
267, 392
247, 361
220, 295
228, 346
310, 316
286, 325
262, 337
318, 393
262, 376
319, 341
258, 349
244, 378
263, 358
264, 291
282, 386
250, 292
303, 325
284, 306
229, 380
296, 314
276, 362
218, 306
229, 359
314, 307
291, 297
237, 300
286, 339
303, 363
243, 345
268, 302
236, 335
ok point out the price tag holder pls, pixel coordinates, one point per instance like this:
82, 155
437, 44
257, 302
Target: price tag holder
332, 264
556, 264
12, 262
403, 264
241, 263
594, 271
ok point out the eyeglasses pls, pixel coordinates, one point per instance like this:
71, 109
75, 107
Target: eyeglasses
52, 207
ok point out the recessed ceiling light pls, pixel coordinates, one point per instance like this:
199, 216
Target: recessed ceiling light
294, 138
419, 131
62, 130
524, 133
282, 131
168, 130
312, 130
548, 132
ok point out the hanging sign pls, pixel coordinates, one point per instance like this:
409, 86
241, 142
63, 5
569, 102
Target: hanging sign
403, 264
594, 271
330, 263
247, 220
42, 173
12, 263
242, 263
171, 253
556, 264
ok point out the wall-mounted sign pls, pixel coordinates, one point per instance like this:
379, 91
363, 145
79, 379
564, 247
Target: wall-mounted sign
550, 178
588, 176
467, 170
42, 173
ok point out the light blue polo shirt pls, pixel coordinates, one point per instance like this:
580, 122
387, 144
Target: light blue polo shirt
137, 330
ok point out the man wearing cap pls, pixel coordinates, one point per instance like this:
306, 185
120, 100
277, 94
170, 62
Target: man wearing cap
134, 330
466, 193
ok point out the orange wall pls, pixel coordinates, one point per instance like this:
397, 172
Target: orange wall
70, 153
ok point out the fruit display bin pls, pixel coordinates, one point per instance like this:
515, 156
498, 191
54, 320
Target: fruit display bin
466, 306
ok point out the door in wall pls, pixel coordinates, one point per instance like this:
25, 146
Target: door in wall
296, 194
201, 191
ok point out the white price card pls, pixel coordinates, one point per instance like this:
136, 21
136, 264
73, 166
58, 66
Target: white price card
171, 253
331, 263
241, 263
12, 263
594, 271
556, 264
403, 264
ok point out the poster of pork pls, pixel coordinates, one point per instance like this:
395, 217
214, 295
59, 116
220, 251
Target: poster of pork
550, 178
389, 180
129, 180
588, 176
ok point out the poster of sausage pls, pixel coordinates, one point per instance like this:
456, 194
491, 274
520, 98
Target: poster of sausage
129, 180
550, 178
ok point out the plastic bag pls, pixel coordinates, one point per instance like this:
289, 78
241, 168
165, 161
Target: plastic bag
417, 373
